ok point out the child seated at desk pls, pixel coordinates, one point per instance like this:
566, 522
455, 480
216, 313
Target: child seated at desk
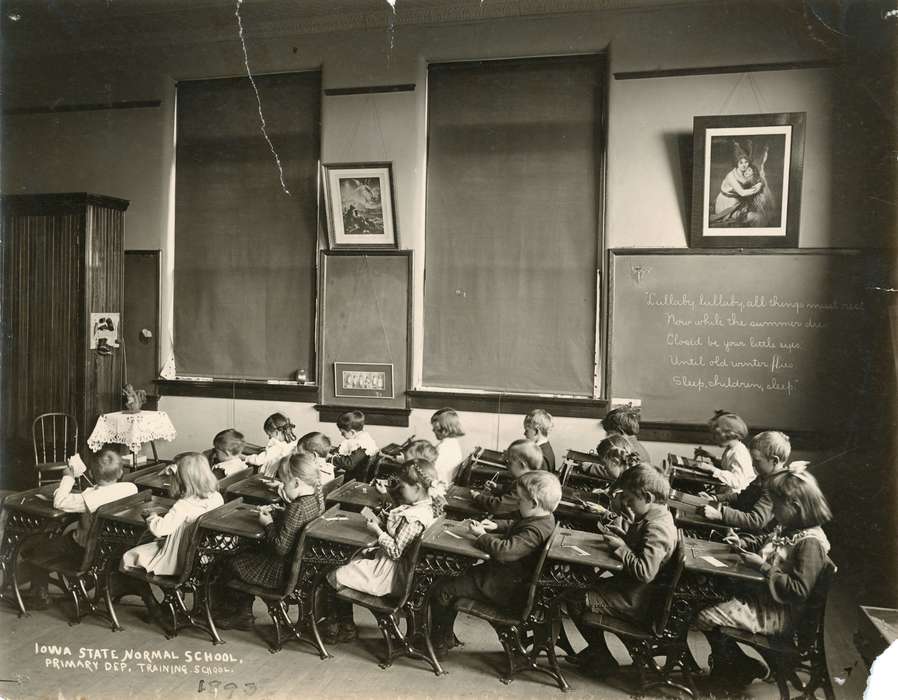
446, 426
105, 471
648, 544
198, 493
615, 454
225, 455
357, 448
791, 558
751, 509
379, 571
734, 466
319, 446
624, 420
522, 456
268, 565
537, 425
281, 442
513, 546
423, 450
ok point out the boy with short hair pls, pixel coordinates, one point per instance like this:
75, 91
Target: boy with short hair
105, 471
647, 545
537, 425
224, 457
522, 456
751, 508
357, 448
513, 546
318, 445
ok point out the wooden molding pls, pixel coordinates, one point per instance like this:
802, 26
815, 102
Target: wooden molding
238, 389
389, 416
508, 403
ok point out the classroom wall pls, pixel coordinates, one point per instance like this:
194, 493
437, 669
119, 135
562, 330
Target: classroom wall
129, 153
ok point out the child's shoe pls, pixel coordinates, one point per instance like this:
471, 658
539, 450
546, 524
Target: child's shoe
347, 632
238, 620
36, 599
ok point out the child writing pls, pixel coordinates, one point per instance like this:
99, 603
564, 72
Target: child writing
513, 546
281, 441
751, 509
225, 455
421, 499
198, 494
624, 420
319, 446
105, 472
734, 466
615, 454
522, 456
791, 559
537, 425
447, 429
648, 544
357, 448
267, 565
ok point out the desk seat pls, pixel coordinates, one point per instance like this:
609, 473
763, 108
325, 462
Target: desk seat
619, 626
161, 581
490, 613
68, 563
386, 604
780, 645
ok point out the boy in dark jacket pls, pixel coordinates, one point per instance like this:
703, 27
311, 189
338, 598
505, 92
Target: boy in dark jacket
513, 546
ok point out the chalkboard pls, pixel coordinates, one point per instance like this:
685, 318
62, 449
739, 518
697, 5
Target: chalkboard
364, 316
780, 338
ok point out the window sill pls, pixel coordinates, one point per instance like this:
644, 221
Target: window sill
238, 389
508, 403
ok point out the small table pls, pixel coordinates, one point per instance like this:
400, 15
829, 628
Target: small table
355, 495
132, 430
257, 489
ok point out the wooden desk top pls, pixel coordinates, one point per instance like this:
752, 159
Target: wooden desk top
694, 476
37, 502
683, 501
242, 521
723, 553
342, 526
460, 542
257, 487
158, 480
132, 514
593, 544
459, 500
885, 620
354, 493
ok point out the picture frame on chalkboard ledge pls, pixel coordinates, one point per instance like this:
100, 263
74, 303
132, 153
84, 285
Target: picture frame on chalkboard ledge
359, 205
746, 184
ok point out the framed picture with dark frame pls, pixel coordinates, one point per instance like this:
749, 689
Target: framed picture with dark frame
359, 205
371, 379
746, 186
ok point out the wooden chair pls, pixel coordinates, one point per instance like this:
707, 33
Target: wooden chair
665, 636
176, 587
531, 626
55, 439
77, 573
389, 609
278, 600
801, 654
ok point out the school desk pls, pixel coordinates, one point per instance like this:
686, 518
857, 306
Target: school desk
156, 479
718, 559
483, 465
692, 521
690, 478
572, 473
25, 515
120, 526
877, 629
257, 489
447, 549
355, 495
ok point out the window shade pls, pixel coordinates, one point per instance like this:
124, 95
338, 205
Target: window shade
511, 225
244, 249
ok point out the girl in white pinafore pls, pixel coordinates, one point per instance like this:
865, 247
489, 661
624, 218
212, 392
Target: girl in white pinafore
199, 494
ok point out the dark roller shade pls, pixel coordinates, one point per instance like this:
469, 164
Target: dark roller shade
511, 226
244, 249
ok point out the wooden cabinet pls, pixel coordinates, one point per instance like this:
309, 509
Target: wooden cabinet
62, 260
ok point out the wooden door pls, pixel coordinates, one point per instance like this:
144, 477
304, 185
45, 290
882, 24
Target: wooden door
141, 317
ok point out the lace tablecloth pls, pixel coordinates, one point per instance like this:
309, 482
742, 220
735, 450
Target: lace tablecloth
131, 429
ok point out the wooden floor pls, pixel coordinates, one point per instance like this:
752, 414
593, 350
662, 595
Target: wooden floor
298, 672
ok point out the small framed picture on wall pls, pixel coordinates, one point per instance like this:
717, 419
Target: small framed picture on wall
747, 172
360, 212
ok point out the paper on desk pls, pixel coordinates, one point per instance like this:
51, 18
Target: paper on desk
452, 534
713, 562
581, 552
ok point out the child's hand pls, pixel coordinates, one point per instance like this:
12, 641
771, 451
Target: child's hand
373, 525
489, 525
476, 528
593, 507
76, 467
265, 517
380, 487
705, 494
711, 513
751, 559
613, 541
474, 493
704, 466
